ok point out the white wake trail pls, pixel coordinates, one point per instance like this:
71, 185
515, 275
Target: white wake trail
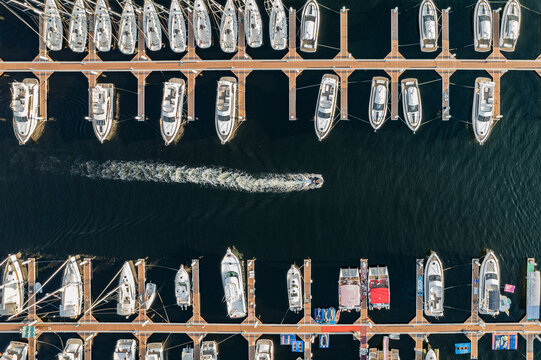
205, 176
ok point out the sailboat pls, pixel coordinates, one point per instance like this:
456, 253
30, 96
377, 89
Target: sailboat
201, 25
176, 26
12, 289
103, 33
229, 28
183, 288
278, 26
253, 25
78, 29
72, 290
127, 292
127, 31
54, 31
151, 26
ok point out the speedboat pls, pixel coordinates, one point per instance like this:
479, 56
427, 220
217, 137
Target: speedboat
294, 289
171, 121
25, 106
428, 26
127, 31
433, 286
12, 289
72, 290
103, 33
154, 351
411, 104
233, 283
310, 26
278, 26
326, 105
209, 350
349, 290
510, 28
150, 295
379, 98
482, 26
101, 115
264, 349
483, 109
226, 108
201, 23
176, 25
54, 31
187, 353
379, 290
125, 349
126, 290
431, 355
229, 28
16, 350
78, 29
72, 351
183, 288
489, 285
151, 26
253, 25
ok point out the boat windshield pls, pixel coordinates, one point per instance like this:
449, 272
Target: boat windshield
231, 274
482, 118
413, 108
323, 115
434, 278
491, 276
378, 107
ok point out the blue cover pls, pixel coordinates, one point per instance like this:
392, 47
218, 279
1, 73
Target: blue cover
463, 348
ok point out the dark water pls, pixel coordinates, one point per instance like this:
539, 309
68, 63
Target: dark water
389, 196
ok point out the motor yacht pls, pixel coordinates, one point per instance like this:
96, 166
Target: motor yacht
233, 283
326, 105
226, 108
310, 26
183, 292
428, 26
102, 97
483, 109
489, 285
379, 98
25, 106
482, 26
433, 286
171, 120
294, 289
510, 27
411, 104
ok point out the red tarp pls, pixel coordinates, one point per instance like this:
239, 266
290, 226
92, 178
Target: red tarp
379, 296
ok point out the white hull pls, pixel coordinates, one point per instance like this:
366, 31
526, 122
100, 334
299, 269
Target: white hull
152, 27
264, 349
16, 350
72, 290
25, 106
310, 26
176, 26
127, 32
433, 286
183, 292
125, 349
54, 30
489, 285
102, 97
72, 351
103, 33
483, 109
482, 26
278, 26
201, 25
127, 292
12, 287
294, 289
428, 26
253, 25
411, 104
154, 351
229, 28
379, 99
510, 27
226, 109
326, 105
209, 350
171, 120
233, 283
78, 29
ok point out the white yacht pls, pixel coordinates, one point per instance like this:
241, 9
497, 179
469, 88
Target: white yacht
152, 27
433, 286
489, 285
428, 26
229, 28
253, 25
171, 120
226, 108
54, 31
127, 31
154, 351
103, 34
25, 106
264, 349
431, 355
125, 349
72, 290
310, 26
201, 25
232, 280
379, 98
150, 295
510, 27
78, 29
176, 26
411, 104
127, 292
278, 26
16, 350
483, 109
72, 351
187, 353
101, 97
294, 289
12, 289
326, 105
209, 350
183, 292
482, 26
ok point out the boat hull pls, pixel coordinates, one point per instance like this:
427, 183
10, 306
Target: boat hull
226, 122
310, 27
481, 129
278, 26
326, 106
78, 29
433, 287
228, 28
253, 25
176, 26
510, 26
428, 26
482, 26
377, 112
489, 285
233, 283
413, 113
152, 27
127, 32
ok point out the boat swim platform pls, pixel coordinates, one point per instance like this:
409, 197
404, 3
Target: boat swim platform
142, 327
292, 64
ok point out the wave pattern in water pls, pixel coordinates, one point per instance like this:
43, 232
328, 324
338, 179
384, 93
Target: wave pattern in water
206, 176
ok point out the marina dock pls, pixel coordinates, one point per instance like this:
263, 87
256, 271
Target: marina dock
292, 64
142, 327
